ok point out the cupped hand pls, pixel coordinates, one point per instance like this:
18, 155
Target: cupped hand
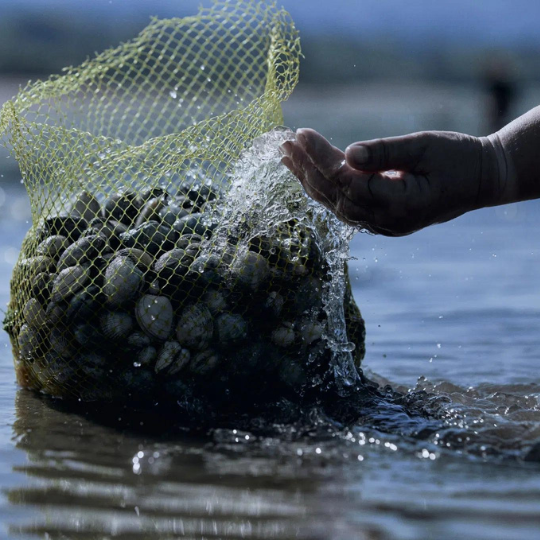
391, 186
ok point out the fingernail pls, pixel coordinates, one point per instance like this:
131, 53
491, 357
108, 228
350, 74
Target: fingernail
358, 154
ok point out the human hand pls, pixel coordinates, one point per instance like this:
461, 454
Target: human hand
398, 185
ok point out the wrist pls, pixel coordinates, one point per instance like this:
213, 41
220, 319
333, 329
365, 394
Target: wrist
495, 186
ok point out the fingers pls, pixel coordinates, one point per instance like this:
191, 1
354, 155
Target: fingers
327, 158
393, 153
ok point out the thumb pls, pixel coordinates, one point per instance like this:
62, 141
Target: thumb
393, 153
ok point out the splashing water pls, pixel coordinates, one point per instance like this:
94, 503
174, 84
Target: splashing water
263, 195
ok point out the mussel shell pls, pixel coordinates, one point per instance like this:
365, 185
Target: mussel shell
123, 281
110, 230
142, 259
138, 340
69, 282
116, 325
151, 237
155, 316
89, 336
83, 250
195, 327
123, 206
205, 270
53, 246
154, 193
62, 343
187, 239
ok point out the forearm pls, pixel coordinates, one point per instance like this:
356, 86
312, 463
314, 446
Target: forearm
511, 162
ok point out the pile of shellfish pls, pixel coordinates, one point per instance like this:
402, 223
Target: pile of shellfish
143, 296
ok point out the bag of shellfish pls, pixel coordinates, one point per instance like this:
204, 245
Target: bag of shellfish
171, 257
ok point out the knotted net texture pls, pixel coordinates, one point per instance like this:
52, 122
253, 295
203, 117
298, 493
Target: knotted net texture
145, 274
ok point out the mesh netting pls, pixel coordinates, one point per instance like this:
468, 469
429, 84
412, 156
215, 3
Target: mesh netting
150, 269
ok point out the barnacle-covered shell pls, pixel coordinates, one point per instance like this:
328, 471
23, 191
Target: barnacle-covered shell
195, 327
250, 270
53, 246
68, 282
230, 327
155, 316
34, 314
123, 280
83, 250
167, 354
283, 336
116, 325
204, 362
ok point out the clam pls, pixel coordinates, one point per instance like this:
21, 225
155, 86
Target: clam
116, 325
88, 336
145, 356
154, 193
274, 302
41, 285
200, 224
35, 265
250, 270
173, 265
55, 313
171, 213
110, 230
86, 206
195, 327
62, 343
311, 331
215, 300
30, 342
187, 239
180, 362
138, 340
154, 287
204, 362
123, 281
150, 210
205, 269
34, 314
70, 226
83, 250
167, 354
53, 246
283, 336
142, 259
123, 206
230, 327
151, 237
155, 316
201, 193
68, 282
83, 305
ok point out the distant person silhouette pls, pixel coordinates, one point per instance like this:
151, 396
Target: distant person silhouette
398, 185
501, 91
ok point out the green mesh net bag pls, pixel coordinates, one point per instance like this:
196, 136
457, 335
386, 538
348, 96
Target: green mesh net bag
171, 255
